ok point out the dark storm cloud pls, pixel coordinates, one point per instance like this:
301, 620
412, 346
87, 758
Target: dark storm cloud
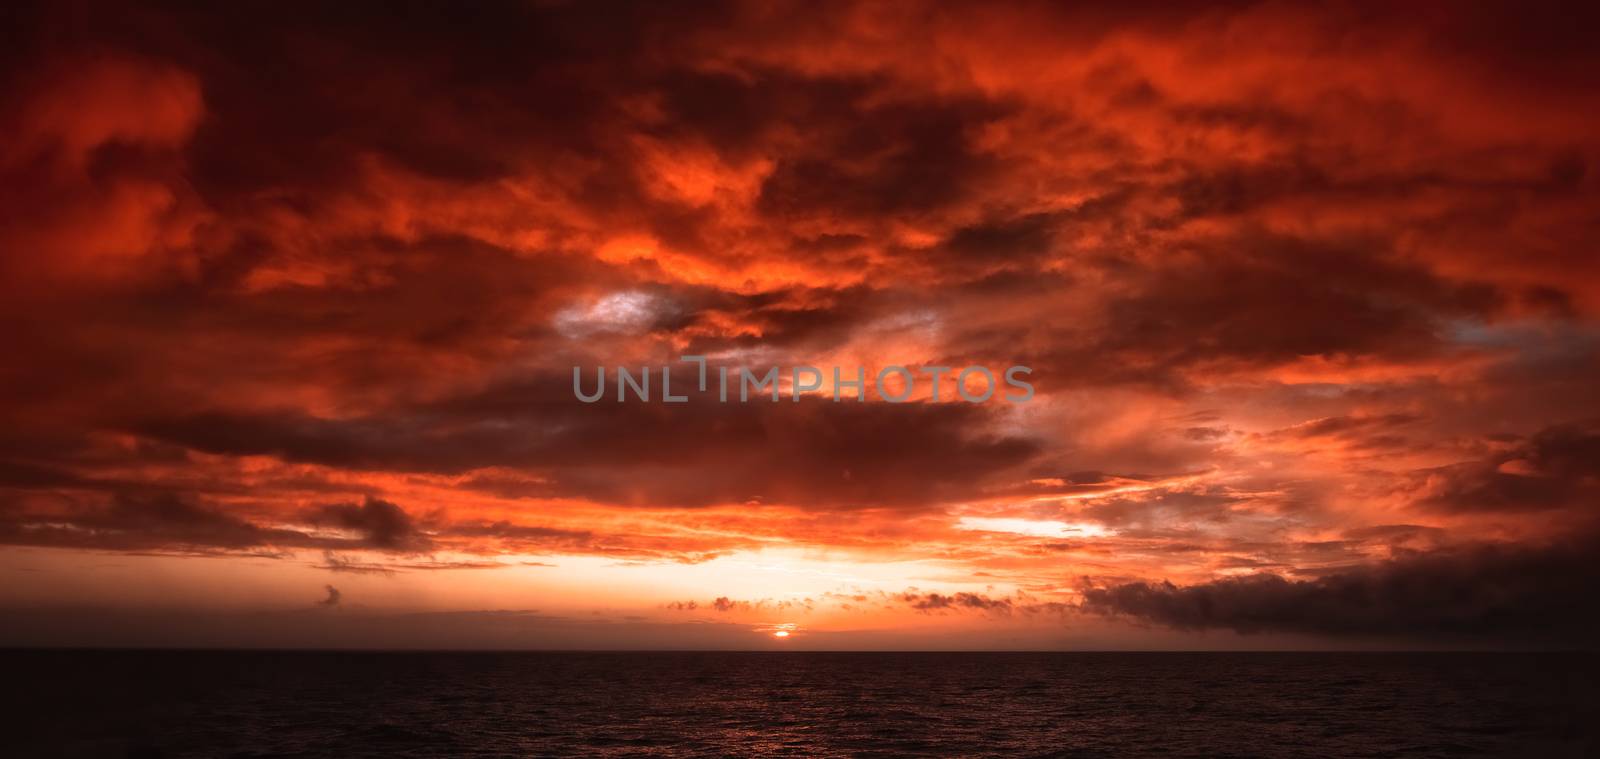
555, 537
814, 452
174, 524
1507, 593
165, 521
141, 522
501, 80
1271, 300
21, 475
1026, 237
382, 524
1556, 468
888, 159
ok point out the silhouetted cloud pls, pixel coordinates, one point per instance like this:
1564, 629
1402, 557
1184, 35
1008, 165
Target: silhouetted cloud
939, 601
1502, 593
1555, 468
814, 452
382, 524
334, 597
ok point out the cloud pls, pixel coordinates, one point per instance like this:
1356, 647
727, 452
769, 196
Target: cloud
334, 597
922, 602
724, 605
138, 522
815, 452
382, 524
1557, 467
177, 523
940, 602
1303, 311
334, 562
1497, 593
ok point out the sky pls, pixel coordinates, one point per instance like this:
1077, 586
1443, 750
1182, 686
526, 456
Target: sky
291, 301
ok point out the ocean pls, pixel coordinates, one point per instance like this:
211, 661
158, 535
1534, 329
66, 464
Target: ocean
668, 704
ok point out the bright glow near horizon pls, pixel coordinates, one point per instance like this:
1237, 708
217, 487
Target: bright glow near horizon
1043, 528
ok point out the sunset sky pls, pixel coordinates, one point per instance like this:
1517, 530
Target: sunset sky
290, 301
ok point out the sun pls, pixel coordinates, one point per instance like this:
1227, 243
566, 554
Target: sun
782, 631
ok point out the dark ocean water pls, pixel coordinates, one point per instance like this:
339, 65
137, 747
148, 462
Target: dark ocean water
259, 704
